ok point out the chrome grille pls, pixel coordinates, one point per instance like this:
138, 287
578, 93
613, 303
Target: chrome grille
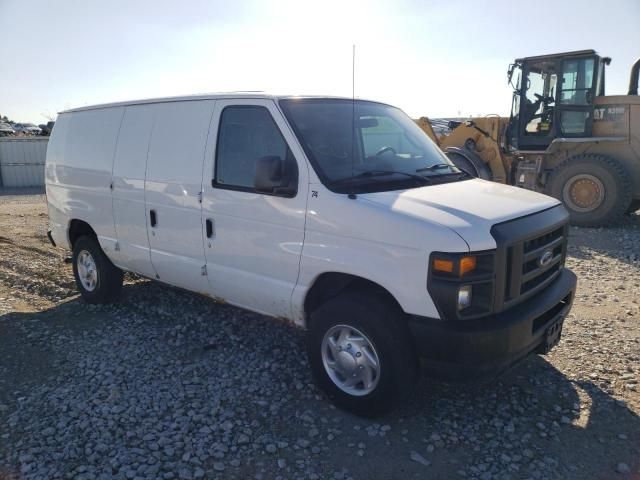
533, 263
520, 244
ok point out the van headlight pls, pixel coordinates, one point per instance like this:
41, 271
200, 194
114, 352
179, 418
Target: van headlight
464, 296
462, 284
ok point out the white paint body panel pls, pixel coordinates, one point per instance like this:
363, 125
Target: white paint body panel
59, 213
129, 208
254, 257
470, 207
369, 240
267, 251
173, 184
78, 172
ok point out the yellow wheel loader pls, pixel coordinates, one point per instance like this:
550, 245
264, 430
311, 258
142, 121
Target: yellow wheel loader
564, 137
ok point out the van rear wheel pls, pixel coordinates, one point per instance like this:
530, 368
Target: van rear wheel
361, 354
98, 280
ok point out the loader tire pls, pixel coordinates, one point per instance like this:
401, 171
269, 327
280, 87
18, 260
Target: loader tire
469, 162
633, 207
595, 189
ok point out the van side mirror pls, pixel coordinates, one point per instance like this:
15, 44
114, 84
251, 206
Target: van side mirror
271, 177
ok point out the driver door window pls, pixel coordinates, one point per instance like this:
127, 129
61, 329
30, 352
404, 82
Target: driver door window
246, 134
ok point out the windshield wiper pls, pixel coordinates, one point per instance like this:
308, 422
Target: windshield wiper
382, 173
457, 175
460, 173
437, 166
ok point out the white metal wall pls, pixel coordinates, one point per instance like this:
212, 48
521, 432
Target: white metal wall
22, 161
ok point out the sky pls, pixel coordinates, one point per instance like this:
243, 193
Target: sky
430, 58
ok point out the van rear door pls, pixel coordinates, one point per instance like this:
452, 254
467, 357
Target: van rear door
79, 172
173, 188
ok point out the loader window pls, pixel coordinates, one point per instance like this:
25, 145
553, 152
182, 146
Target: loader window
540, 100
577, 81
515, 101
573, 123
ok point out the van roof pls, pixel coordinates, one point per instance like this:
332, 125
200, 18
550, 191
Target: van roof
203, 96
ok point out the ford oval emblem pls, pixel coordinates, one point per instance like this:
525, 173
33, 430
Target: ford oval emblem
545, 258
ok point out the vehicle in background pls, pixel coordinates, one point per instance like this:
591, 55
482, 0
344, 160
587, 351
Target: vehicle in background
46, 128
6, 129
564, 137
27, 129
339, 215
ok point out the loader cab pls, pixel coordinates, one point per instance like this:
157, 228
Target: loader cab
553, 97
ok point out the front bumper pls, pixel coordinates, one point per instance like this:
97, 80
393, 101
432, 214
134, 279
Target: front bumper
488, 345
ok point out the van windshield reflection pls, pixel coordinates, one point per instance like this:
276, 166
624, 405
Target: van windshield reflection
366, 144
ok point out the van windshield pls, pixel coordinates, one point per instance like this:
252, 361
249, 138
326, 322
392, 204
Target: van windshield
366, 146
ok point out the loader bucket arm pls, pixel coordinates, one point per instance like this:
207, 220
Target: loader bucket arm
425, 124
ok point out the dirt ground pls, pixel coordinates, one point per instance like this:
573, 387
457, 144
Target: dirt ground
102, 392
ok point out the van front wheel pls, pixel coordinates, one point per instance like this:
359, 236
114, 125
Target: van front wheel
361, 354
98, 280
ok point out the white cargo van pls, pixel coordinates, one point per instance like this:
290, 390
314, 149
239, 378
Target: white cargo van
339, 215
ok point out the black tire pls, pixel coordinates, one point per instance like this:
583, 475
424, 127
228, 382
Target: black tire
109, 277
469, 163
384, 325
614, 200
634, 206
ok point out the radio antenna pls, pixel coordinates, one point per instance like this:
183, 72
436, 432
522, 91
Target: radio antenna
353, 74
352, 195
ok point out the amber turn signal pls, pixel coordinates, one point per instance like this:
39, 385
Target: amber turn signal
443, 265
467, 264
464, 265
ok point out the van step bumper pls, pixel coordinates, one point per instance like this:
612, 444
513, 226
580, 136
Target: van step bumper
488, 345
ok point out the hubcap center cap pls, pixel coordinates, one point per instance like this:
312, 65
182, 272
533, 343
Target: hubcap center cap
346, 362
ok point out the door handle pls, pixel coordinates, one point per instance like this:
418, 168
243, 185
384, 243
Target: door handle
153, 218
209, 224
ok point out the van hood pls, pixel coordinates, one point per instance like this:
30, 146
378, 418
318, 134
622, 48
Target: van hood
470, 208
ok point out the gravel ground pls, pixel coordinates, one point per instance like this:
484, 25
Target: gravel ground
168, 384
